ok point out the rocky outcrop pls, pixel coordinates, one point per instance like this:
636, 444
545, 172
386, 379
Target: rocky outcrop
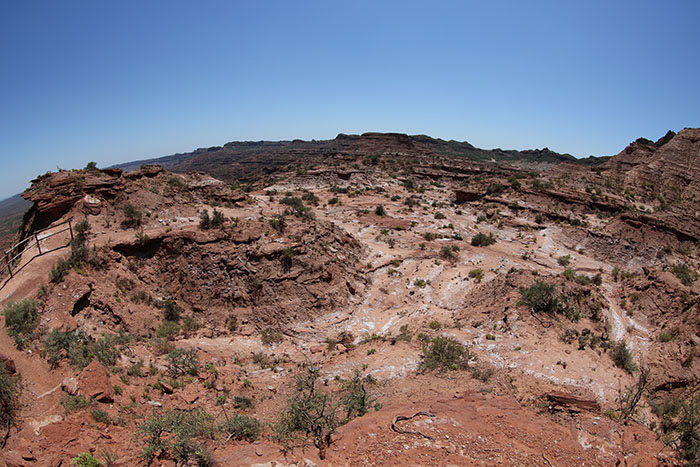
93, 382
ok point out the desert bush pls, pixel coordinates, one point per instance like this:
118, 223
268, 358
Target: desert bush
685, 273
217, 218
171, 310
310, 198
183, 362
287, 257
311, 414
81, 349
357, 400
85, 459
564, 260
297, 205
271, 336
172, 432
379, 210
74, 403
476, 274
9, 401
242, 427
445, 353
629, 400
21, 320
242, 402
278, 222
495, 189
622, 357
232, 323
168, 330
541, 298
189, 326
482, 239
100, 416
132, 217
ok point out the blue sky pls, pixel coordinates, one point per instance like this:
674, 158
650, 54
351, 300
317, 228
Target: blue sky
119, 81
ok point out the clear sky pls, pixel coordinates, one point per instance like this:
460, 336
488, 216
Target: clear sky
124, 80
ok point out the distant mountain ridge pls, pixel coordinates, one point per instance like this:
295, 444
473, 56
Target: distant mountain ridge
239, 160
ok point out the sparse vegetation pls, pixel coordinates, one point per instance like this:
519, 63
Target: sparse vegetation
9, 401
21, 321
183, 362
132, 217
622, 357
242, 427
685, 273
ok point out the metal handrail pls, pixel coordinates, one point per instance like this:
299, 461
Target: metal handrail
9, 261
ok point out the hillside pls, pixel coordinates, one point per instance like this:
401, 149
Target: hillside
380, 299
11, 211
243, 161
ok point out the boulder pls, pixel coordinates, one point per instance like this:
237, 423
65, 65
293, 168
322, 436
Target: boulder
70, 385
94, 382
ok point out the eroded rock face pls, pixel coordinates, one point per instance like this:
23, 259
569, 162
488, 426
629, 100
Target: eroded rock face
93, 382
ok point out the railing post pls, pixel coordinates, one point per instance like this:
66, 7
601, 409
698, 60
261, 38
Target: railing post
70, 227
9, 268
38, 247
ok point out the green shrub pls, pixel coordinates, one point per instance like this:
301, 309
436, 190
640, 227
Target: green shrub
172, 431
81, 349
217, 219
541, 298
445, 353
564, 260
232, 323
242, 402
85, 459
476, 274
9, 400
379, 210
311, 414
74, 403
132, 217
270, 336
357, 399
242, 427
685, 274
278, 222
171, 310
622, 357
101, 416
481, 239
21, 320
287, 258
183, 362
168, 330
